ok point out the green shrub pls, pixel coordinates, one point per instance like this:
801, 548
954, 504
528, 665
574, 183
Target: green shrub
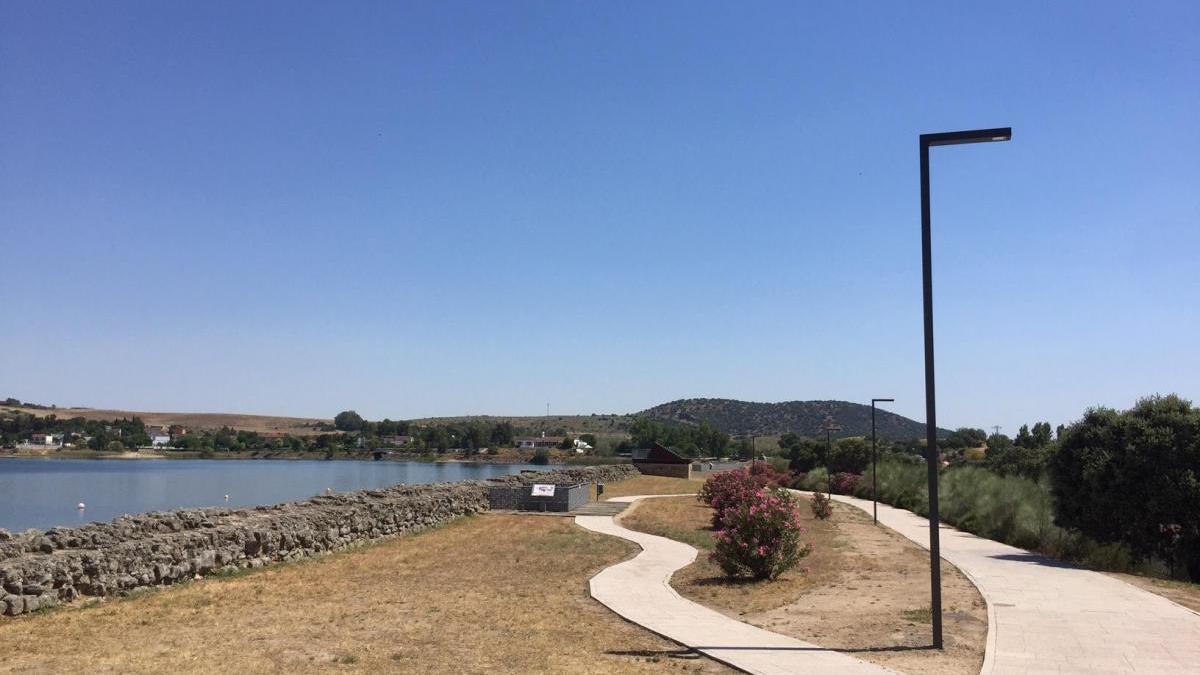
1133, 478
821, 504
1009, 509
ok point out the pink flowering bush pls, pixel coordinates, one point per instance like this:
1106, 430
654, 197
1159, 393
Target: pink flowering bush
822, 505
729, 489
760, 537
844, 483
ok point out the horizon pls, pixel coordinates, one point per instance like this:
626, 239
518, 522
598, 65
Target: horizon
454, 210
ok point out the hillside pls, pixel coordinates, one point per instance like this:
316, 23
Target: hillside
807, 418
261, 423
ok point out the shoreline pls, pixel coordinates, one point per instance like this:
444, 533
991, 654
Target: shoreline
309, 456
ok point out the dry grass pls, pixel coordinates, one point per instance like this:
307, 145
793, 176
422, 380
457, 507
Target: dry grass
866, 591
489, 594
652, 485
1179, 592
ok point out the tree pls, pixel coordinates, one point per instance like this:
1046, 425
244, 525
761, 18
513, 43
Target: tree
1134, 477
850, 455
1024, 438
1009, 459
1042, 435
964, 437
568, 443
348, 420
502, 434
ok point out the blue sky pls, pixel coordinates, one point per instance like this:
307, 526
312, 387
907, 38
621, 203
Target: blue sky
467, 208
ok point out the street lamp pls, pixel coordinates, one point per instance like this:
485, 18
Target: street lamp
931, 452
875, 460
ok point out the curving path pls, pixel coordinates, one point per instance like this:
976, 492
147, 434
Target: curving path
1045, 616
639, 590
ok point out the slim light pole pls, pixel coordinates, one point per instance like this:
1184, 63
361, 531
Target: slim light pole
874, 461
932, 457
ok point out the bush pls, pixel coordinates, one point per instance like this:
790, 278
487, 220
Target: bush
761, 536
1010, 509
844, 483
540, 457
1133, 478
730, 489
817, 478
822, 505
850, 455
768, 474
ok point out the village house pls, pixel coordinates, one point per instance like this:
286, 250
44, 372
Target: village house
662, 461
542, 441
395, 440
46, 439
159, 439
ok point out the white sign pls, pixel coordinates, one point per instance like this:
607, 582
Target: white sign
540, 490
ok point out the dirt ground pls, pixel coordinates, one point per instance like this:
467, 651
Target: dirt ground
486, 594
865, 591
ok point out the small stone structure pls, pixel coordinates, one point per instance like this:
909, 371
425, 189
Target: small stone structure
41, 569
662, 461
566, 497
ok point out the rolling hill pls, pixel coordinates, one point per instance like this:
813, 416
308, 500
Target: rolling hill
806, 418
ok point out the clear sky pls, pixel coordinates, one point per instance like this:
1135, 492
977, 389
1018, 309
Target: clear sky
449, 208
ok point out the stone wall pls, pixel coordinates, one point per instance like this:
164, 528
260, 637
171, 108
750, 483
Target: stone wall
671, 470
41, 569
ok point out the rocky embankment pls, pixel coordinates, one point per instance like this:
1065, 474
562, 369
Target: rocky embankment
41, 569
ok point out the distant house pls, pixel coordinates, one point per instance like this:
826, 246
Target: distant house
46, 439
177, 430
662, 461
159, 439
542, 441
395, 440
581, 447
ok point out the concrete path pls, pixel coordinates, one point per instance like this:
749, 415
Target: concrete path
1045, 616
639, 590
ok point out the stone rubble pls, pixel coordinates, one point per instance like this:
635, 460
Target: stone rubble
41, 569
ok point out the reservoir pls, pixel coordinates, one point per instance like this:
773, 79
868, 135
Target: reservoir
44, 493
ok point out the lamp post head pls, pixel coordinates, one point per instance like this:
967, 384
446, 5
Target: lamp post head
882, 400
972, 136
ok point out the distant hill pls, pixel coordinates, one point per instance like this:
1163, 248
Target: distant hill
299, 426
807, 418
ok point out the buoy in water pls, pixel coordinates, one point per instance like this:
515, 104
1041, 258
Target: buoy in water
81, 506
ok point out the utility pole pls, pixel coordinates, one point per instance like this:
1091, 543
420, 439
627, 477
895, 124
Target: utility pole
875, 461
830, 427
995, 429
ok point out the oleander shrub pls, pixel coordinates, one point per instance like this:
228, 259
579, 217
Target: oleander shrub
761, 537
821, 504
731, 488
844, 483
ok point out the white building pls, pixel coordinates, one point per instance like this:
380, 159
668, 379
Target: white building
159, 439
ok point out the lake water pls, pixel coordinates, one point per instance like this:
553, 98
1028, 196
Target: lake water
43, 493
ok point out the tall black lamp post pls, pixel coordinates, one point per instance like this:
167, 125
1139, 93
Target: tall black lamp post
875, 460
931, 450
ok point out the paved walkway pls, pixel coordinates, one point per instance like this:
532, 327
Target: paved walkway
639, 590
1045, 616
